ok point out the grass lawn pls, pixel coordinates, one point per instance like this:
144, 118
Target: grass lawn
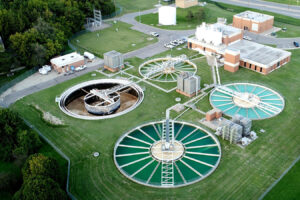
212, 12
15, 168
203, 68
292, 30
288, 186
289, 2
242, 173
134, 6
110, 39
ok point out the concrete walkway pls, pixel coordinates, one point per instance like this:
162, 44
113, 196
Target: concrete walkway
284, 9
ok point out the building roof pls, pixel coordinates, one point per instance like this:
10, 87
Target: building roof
67, 59
112, 53
223, 28
264, 56
254, 16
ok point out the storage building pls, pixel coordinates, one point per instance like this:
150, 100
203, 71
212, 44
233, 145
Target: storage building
67, 62
188, 84
113, 61
253, 21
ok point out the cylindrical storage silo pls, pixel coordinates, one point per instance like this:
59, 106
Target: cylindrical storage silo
167, 15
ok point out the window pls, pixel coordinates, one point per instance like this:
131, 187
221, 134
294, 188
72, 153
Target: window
260, 69
255, 68
245, 64
278, 64
204, 49
250, 66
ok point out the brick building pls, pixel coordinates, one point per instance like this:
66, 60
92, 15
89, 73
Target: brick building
227, 41
253, 21
67, 62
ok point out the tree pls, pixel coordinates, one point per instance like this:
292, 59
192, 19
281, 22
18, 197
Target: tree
39, 53
40, 188
190, 15
200, 14
28, 143
9, 125
15, 140
40, 165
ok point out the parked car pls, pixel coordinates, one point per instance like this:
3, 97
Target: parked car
80, 68
184, 40
43, 71
296, 44
154, 34
174, 43
247, 38
47, 68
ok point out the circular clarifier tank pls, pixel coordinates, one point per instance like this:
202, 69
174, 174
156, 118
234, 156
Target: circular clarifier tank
249, 100
194, 155
166, 69
101, 99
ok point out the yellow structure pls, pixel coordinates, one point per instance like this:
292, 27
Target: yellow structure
186, 3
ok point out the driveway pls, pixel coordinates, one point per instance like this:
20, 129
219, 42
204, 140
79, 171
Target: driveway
165, 36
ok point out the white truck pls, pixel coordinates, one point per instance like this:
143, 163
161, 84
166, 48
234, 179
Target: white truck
89, 56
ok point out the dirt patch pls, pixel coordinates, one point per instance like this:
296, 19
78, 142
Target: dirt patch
49, 117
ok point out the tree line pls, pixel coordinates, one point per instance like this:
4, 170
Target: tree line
19, 146
36, 30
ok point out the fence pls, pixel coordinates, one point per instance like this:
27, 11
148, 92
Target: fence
80, 49
58, 151
17, 80
119, 10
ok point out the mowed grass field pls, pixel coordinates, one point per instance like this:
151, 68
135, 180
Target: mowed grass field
288, 186
119, 37
134, 6
242, 173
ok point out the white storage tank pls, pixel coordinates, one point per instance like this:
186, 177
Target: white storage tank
167, 15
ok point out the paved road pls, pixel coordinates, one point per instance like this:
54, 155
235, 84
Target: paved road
165, 35
283, 43
288, 10
13, 97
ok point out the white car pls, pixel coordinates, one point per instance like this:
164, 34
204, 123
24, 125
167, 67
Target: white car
247, 38
47, 68
82, 67
43, 71
154, 34
170, 46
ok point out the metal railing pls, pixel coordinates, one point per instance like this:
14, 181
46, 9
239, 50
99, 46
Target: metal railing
58, 151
